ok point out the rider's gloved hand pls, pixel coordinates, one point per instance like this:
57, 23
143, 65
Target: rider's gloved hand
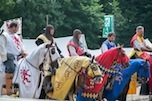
87, 54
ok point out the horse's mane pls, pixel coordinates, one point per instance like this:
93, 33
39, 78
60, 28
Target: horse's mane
106, 59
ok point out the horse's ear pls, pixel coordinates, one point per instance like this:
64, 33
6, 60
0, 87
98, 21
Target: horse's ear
122, 45
145, 62
118, 45
48, 45
92, 59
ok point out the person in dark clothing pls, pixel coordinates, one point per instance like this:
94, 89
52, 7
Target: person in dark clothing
46, 37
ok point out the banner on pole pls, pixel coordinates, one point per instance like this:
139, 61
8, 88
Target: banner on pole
108, 25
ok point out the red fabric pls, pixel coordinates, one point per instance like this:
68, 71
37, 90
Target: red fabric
133, 39
78, 50
96, 87
106, 59
145, 56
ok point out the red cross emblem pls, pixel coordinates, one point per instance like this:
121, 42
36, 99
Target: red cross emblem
25, 76
17, 41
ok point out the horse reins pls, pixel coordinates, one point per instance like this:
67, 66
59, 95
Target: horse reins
43, 60
70, 66
75, 70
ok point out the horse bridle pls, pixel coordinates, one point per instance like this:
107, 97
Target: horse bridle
115, 61
86, 71
41, 65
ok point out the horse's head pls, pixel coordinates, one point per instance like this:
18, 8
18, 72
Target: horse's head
112, 57
144, 69
51, 56
45, 54
122, 58
93, 71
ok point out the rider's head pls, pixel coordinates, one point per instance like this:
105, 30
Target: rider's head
13, 27
111, 36
49, 30
140, 30
77, 33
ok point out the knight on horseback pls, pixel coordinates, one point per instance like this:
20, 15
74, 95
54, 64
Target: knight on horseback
11, 47
75, 47
141, 49
48, 70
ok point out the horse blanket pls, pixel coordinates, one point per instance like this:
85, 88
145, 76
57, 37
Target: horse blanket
65, 76
28, 78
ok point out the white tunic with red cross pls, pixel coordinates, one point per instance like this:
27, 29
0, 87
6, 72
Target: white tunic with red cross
13, 44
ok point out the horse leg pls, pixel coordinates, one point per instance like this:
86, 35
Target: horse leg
70, 95
100, 94
76, 86
45, 87
71, 92
47, 84
123, 95
42, 94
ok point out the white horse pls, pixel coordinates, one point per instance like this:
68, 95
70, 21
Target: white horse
28, 74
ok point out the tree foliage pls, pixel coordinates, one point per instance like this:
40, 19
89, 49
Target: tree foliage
87, 15
6, 8
84, 15
34, 14
137, 13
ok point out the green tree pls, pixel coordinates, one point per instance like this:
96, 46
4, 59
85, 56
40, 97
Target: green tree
34, 14
85, 15
6, 9
119, 21
112, 7
138, 12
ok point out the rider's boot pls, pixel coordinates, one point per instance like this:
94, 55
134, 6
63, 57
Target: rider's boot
8, 78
